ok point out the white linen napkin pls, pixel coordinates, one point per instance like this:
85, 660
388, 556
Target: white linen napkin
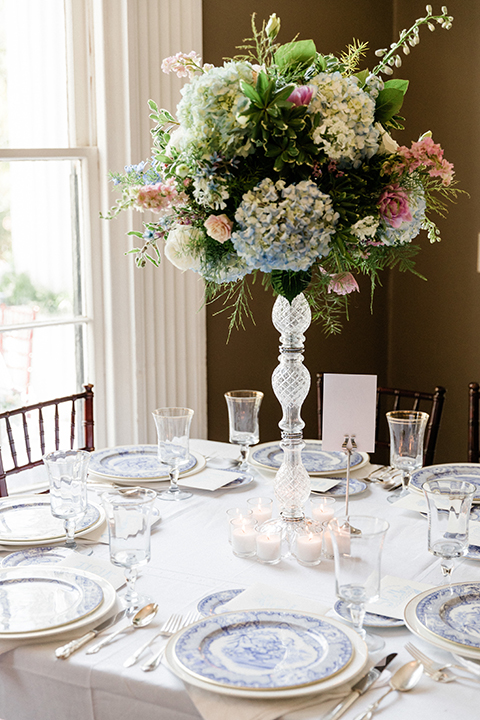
268, 596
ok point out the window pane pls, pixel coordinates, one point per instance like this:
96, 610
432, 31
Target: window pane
40, 364
33, 85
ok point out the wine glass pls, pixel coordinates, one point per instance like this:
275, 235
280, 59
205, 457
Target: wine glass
449, 503
407, 432
67, 475
173, 431
129, 513
243, 407
357, 548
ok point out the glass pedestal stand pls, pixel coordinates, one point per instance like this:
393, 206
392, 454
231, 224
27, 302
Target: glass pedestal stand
291, 383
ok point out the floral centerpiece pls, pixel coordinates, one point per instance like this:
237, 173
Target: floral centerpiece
280, 162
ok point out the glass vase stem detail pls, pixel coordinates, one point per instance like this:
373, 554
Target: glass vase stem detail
291, 383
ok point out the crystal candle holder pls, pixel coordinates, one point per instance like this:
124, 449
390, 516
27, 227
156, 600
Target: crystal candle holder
237, 512
244, 540
308, 544
323, 508
261, 508
269, 545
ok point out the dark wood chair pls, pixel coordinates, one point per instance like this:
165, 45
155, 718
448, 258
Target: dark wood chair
27, 435
473, 422
396, 399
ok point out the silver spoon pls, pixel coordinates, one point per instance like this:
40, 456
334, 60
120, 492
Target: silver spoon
403, 680
142, 618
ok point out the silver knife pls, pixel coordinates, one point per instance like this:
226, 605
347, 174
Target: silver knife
66, 650
359, 688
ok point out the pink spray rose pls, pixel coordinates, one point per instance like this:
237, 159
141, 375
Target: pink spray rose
393, 206
343, 284
159, 198
301, 95
219, 227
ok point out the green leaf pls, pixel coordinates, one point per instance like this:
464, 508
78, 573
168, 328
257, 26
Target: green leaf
262, 83
389, 102
251, 93
298, 52
397, 84
362, 76
134, 232
289, 284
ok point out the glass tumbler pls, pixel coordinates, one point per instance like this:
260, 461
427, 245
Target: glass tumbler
67, 475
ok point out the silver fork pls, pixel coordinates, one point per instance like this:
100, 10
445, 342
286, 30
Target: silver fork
155, 661
168, 628
437, 671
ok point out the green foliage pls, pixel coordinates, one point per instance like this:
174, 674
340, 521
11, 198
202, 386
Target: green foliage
18, 289
290, 284
389, 103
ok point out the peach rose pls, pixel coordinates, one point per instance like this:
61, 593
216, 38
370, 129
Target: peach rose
219, 227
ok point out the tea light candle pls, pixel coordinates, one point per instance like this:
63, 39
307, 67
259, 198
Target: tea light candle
309, 548
261, 508
322, 508
236, 513
327, 550
268, 547
243, 537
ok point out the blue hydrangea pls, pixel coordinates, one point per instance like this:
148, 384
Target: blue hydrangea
408, 230
284, 227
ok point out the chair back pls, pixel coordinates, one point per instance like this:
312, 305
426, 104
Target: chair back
397, 399
473, 423
33, 430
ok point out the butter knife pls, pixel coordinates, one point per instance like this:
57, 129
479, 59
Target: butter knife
66, 650
359, 688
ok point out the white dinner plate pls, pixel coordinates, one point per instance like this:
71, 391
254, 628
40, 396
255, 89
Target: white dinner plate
138, 462
457, 471
315, 460
348, 674
413, 624
109, 596
27, 520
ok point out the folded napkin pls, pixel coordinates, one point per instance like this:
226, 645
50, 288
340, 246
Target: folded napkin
268, 596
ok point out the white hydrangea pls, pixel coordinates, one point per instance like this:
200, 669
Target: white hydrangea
365, 228
347, 131
284, 227
210, 191
176, 247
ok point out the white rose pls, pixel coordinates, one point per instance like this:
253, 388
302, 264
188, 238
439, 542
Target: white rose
388, 145
176, 139
176, 247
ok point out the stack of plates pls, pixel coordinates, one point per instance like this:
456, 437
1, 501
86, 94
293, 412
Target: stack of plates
28, 520
266, 654
38, 602
454, 471
448, 617
139, 464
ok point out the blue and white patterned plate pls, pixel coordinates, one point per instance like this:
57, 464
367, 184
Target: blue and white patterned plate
315, 460
45, 555
35, 599
457, 471
263, 649
473, 552
452, 612
339, 490
29, 520
133, 462
213, 604
371, 619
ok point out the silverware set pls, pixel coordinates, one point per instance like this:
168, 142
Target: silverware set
437, 671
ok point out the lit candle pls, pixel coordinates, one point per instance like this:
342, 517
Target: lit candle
268, 546
322, 509
261, 509
243, 537
327, 551
309, 548
236, 513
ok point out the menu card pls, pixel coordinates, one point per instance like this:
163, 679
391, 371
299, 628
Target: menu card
349, 409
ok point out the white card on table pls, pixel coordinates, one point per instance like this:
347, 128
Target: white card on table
412, 501
209, 479
349, 408
268, 596
395, 593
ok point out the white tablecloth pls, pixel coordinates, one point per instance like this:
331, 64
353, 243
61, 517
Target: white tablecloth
191, 558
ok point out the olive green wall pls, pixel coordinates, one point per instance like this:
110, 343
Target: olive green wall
421, 333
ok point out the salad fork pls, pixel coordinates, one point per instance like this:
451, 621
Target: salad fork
437, 671
168, 628
155, 661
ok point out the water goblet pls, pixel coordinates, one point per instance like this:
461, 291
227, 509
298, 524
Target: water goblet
357, 548
129, 514
173, 432
407, 432
243, 407
449, 503
67, 475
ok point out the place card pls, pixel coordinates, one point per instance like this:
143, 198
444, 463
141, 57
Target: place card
266, 596
209, 479
322, 484
412, 501
96, 566
349, 408
395, 593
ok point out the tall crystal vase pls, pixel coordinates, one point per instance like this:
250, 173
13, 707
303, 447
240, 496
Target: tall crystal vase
291, 383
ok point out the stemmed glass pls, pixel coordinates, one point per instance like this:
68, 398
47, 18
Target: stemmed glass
173, 432
449, 504
243, 407
357, 547
128, 513
67, 474
407, 432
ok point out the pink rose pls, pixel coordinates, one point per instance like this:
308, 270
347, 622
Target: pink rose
301, 95
219, 227
343, 283
393, 206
